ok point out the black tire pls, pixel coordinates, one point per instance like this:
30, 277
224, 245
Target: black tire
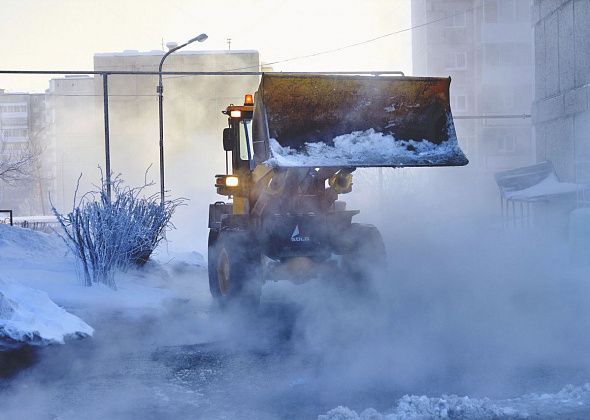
363, 254
212, 262
235, 271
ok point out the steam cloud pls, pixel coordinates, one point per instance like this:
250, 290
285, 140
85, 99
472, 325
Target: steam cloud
468, 307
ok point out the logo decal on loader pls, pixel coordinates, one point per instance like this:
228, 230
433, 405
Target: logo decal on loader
297, 237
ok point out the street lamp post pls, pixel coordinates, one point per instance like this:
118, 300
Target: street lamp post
160, 91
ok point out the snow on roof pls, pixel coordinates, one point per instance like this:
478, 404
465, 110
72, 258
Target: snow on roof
130, 53
550, 186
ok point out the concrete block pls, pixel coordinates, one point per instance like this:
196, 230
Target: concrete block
552, 55
566, 47
540, 142
560, 147
579, 236
539, 31
550, 108
583, 173
576, 100
549, 6
582, 41
582, 136
535, 12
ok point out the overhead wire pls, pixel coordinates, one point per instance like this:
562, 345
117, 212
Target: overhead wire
356, 44
367, 41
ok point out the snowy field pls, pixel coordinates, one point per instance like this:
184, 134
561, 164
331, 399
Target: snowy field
474, 320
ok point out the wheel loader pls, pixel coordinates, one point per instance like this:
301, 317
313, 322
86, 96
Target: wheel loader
291, 151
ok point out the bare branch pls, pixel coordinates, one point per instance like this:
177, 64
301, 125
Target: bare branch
17, 162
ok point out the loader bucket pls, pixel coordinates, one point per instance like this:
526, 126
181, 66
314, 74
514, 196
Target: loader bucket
354, 121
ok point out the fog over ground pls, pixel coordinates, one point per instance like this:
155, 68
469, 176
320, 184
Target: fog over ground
468, 307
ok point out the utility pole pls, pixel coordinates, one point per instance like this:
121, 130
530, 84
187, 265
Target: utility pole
228, 40
160, 92
107, 146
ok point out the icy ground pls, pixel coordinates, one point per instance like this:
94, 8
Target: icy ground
471, 322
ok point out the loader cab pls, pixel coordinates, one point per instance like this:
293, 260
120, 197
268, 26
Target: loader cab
239, 153
237, 137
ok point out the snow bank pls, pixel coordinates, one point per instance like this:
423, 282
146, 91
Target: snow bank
42, 261
368, 148
570, 399
28, 316
16, 242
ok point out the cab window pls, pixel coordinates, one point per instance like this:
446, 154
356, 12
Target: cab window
246, 140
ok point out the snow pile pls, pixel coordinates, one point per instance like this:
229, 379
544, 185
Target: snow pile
451, 406
422, 407
28, 316
20, 243
180, 259
368, 148
550, 186
345, 413
570, 399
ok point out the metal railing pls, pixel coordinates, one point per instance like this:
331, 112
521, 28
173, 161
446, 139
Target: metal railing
8, 219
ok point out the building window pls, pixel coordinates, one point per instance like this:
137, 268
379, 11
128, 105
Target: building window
522, 10
13, 122
14, 132
506, 144
492, 55
490, 11
467, 144
459, 102
456, 19
456, 61
13, 108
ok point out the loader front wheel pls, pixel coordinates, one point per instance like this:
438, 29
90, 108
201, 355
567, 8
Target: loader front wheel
364, 257
212, 262
235, 275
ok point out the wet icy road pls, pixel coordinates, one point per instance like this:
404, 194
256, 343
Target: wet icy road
259, 368
502, 325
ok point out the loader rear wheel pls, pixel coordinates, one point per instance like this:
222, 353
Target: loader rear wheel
235, 274
364, 257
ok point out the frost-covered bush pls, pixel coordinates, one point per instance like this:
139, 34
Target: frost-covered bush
113, 234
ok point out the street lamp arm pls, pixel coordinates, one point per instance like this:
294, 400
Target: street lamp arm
170, 51
199, 38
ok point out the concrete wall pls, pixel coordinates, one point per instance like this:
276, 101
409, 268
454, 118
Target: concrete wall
496, 78
192, 115
561, 110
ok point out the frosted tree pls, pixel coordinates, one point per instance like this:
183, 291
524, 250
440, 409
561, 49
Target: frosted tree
107, 235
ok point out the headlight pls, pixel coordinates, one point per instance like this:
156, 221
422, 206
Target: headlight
222, 181
341, 182
231, 181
